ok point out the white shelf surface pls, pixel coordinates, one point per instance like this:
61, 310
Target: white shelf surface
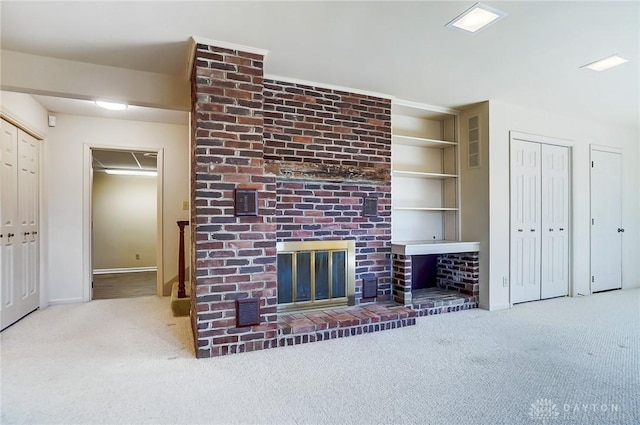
422, 142
433, 247
423, 175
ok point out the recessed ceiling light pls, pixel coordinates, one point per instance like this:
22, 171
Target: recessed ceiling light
112, 106
605, 63
477, 17
131, 172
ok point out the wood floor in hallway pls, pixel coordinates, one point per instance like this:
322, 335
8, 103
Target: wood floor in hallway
123, 285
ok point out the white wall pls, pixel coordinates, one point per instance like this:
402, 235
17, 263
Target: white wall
504, 118
124, 221
63, 189
474, 193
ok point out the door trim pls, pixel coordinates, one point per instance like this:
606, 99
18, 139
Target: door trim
87, 269
569, 144
607, 149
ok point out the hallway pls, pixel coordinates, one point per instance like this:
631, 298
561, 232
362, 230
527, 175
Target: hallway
123, 285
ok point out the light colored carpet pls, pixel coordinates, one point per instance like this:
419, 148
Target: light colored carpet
129, 361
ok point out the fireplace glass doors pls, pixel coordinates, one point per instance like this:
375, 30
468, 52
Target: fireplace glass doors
314, 274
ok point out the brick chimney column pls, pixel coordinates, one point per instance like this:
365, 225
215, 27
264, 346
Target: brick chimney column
233, 257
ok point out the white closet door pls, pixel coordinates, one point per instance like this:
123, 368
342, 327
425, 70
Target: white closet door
28, 219
10, 270
525, 221
19, 249
555, 221
606, 225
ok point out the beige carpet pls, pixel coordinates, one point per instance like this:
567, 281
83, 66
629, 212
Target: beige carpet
128, 361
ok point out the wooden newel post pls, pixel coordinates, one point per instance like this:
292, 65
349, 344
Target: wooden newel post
181, 288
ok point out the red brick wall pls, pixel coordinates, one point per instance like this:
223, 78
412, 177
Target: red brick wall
234, 257
312, 124
317, 125
460, 272
402, 279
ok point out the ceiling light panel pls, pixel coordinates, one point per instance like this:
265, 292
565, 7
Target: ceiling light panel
112, 106
606, 63
476, 18
131, 172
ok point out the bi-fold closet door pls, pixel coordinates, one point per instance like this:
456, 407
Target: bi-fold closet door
539, 258
19, 224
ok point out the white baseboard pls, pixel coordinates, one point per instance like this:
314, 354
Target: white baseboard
126, 270
499, 307
65, 301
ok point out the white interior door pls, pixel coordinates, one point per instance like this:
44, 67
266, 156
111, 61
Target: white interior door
606, 220
8, 219
525, 221
28, 220
10, 272
555, 221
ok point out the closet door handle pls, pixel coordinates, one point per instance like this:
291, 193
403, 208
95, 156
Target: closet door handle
620, 230
562, 229
519, 230
34, 233
551, 230
27, 233
10, 235
533, 230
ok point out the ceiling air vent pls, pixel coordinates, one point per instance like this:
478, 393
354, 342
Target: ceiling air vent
474, 142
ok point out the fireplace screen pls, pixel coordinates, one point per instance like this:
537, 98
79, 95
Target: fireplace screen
314, 274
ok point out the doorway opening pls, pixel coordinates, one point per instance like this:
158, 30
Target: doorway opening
124, 223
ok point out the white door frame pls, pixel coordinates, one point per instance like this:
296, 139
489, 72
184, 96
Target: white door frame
87, 267
527, 137
608, 149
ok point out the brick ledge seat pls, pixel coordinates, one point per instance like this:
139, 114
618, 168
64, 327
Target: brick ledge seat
318, 325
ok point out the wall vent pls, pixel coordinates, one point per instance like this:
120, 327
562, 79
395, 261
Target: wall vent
369, 287
473, 152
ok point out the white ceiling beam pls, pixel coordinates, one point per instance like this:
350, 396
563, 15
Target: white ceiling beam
63, 78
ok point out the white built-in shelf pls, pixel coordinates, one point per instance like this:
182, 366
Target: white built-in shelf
425, 184
424, 209
433, 247
421, 142
423, 175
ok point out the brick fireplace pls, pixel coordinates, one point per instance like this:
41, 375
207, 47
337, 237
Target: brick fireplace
313, 155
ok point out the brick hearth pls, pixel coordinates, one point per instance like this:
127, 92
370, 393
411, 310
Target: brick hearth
312, 326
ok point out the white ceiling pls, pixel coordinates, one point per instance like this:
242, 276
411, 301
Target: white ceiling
123, 160
531, 58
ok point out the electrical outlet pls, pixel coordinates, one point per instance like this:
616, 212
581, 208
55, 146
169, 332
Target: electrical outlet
185, 205
137, 256
505, 282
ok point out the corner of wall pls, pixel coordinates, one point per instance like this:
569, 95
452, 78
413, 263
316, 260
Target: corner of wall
23, 110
